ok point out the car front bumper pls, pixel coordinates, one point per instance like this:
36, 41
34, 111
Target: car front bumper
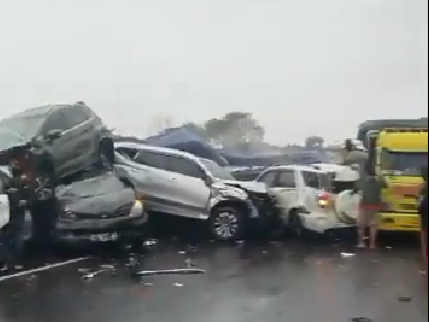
102, 230
321, 222
395, 221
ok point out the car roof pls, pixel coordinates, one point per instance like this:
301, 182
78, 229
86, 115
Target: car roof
43, 110
141, 146
295, 167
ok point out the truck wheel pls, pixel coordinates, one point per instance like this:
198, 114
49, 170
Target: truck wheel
226, 223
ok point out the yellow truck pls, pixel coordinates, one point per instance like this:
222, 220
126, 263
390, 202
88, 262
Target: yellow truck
399, 155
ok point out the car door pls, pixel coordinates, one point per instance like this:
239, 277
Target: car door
188, 186
285, 188
154, 182
57, 147
312, 188
81, 145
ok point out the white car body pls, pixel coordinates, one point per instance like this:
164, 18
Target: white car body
4, 199
300, 197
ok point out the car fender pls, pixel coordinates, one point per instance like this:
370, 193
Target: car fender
235, 195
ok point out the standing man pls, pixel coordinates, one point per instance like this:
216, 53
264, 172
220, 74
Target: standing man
11, 238
370, 207
423, 210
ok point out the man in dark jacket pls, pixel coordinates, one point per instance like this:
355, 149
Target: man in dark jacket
11, 238
423, 210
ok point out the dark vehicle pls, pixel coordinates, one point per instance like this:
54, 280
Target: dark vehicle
56, 141
97, 206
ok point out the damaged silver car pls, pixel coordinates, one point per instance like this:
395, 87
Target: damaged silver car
99, 207
178, 183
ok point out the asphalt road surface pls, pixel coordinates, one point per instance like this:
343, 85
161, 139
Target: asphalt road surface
290, 281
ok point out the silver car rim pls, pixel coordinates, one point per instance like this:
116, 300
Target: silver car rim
43, 192
226, 224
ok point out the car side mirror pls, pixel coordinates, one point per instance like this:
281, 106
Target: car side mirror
208, 181
53, 134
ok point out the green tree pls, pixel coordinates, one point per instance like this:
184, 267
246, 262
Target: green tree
314, 142
235, 128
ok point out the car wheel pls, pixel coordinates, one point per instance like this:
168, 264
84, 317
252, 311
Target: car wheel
226, 224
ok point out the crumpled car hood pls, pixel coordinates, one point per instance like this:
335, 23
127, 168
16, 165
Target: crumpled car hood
102, 194
258, 187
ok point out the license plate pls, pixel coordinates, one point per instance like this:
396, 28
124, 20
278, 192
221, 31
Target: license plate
104, 237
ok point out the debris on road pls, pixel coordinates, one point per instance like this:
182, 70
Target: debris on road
150, 243
405, 298
181, 271
178, 284
90, 276
347, 255
360, 319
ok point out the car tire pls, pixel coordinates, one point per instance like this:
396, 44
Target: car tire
226, 223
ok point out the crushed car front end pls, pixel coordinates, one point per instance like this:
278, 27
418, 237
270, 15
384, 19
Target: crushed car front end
265, 210
108, 213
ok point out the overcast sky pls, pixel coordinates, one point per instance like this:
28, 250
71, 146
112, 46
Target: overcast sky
302, 67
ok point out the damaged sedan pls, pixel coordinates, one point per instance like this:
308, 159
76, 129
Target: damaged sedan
99, 207
180, 184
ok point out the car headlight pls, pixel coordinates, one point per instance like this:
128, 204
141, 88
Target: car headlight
234, 193
137, 208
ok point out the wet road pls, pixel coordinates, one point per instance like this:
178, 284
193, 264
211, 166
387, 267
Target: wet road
248, 282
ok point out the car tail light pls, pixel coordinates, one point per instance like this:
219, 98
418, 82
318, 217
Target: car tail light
324, 200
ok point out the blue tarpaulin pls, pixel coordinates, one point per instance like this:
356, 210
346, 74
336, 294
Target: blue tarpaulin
187, 141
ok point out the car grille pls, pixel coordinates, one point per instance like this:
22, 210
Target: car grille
122, 211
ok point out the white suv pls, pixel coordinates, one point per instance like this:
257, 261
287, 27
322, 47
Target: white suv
178, 183
305, 196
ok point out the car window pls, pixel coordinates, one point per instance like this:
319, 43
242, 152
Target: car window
185, 167
317, 180
269, 178
152, 159
76, 114
129, 152
286, 179
54, 121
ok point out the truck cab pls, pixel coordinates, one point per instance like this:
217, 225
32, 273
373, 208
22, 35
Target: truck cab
398, 155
